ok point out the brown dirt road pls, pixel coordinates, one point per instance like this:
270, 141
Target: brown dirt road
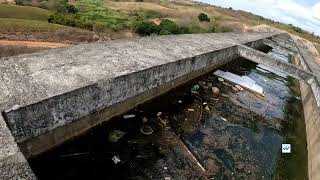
34, 44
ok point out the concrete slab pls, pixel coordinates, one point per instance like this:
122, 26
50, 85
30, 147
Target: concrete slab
47, 90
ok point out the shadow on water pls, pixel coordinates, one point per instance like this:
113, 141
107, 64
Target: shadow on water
198, 135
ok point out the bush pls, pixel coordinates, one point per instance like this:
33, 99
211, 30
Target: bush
203, 17
185, 30
146, 28
168, 27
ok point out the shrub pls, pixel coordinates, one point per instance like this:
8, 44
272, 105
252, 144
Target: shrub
185, 30
62, 6
203, 17
168, 27
146, 28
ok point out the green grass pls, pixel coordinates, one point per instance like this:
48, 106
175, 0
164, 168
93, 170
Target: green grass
23, 12
24, 25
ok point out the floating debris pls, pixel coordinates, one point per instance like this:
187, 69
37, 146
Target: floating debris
195, 89
144, 120
116, 159
202, 84
191, 110
238, 87
115, 135
167, 178
224, 119
227, 84
234, 89
220, 79
215, 90
128, 116
159, 114
224, 95
179, 101
207, 108
205, 87
243, 81
146, 130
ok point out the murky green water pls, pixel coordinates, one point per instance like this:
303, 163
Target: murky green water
230, 135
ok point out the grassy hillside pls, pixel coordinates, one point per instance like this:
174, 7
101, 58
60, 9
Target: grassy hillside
121, 17
24, 25
23, 12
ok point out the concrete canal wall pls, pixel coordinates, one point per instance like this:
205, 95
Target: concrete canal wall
49, 97
310, 99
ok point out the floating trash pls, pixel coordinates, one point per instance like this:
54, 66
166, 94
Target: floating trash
238, 87
144, 120
115, 135
207, 108
220, 79
146, 130
234, 89
195, 89
191, 110
243, 81
116, 159
215, 90
159, 114
179, 101
224, 119
128, 116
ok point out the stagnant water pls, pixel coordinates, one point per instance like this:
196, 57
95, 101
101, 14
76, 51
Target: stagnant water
197, 135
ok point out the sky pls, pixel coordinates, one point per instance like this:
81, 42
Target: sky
302, 13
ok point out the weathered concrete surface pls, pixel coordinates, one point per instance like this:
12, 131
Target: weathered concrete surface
275, 45
285, 67
47, 90
311, 107
13, 164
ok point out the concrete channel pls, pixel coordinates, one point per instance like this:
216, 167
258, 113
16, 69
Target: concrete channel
50, 97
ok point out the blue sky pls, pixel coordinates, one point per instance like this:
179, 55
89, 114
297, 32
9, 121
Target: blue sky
301, 13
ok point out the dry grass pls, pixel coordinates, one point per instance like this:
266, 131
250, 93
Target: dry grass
7, 51
317, 45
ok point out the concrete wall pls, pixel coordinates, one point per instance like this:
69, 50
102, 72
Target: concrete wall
311, 110
47, 96
312, 120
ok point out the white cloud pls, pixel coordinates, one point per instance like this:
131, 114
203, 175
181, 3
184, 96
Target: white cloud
316, 11
287, 11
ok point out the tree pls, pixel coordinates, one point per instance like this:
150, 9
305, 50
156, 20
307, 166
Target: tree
203, 17
146, 28
168, 27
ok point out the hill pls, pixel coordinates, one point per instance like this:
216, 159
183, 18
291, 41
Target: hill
121, 17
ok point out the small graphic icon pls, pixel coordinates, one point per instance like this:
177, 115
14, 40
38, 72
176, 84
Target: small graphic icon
286, 148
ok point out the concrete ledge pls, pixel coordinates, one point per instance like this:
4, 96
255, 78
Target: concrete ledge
284, 49
13, 164
285, 67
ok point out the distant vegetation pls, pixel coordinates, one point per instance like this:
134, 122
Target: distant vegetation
23, 12
203, 17
116, 17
